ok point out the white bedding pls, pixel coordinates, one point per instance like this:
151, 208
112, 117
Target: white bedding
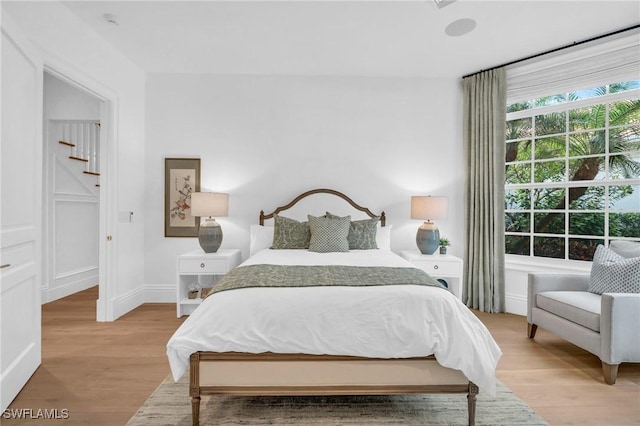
383, 322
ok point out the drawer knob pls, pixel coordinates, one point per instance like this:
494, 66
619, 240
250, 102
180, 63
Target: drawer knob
202, 265
435, 266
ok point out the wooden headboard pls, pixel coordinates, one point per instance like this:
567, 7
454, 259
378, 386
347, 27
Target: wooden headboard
322, 191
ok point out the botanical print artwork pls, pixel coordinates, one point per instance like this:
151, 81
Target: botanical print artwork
181, 187
181, 179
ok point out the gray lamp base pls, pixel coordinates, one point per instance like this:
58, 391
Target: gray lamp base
428, 238
210, 236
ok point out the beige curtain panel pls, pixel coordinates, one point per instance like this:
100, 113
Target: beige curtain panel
484, 141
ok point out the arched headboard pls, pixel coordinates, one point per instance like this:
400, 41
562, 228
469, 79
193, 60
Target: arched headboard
356, 206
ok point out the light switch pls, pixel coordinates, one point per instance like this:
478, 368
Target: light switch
125, 216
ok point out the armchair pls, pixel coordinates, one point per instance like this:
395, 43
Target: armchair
604, 324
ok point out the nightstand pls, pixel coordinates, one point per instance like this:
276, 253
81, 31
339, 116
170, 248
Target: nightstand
444, 266
203, 269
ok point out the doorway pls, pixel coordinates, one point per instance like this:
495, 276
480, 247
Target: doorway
73, 180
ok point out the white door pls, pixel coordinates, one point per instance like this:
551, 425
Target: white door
20, 217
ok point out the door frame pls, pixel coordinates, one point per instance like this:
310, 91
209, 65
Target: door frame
107, 250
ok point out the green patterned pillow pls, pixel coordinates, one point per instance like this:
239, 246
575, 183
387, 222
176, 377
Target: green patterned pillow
362, 233
329, 234
290, 234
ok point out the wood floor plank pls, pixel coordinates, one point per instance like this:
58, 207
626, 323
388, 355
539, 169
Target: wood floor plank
102, 372
560, 381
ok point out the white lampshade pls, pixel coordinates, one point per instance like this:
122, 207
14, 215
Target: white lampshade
429, 208
209, 204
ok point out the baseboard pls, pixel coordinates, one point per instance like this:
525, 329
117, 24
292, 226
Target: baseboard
516, 304
160, 293
155, 293
127, 302
166, 293
49, 294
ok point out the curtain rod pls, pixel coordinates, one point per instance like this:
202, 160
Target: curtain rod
575, 43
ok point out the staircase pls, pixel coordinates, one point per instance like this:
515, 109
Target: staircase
82, 137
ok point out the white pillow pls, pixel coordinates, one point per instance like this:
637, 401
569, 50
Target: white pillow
383, 237
261, 238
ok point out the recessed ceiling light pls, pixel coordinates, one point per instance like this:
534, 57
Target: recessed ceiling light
460, 27
443, 3
111, 19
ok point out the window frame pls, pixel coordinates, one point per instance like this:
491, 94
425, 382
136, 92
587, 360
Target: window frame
532, 185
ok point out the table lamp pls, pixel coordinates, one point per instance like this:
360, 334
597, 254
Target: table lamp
209, 204
428, 208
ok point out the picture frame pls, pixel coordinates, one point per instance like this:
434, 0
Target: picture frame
181, 178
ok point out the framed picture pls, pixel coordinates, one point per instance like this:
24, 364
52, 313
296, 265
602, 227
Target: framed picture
181, 178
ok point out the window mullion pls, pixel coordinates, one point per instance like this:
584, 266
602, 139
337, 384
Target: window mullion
532, 179
607, 171
566, 190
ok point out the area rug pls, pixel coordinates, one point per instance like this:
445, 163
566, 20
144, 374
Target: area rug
170, 404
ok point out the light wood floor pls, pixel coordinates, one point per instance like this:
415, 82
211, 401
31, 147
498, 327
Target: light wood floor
102, 372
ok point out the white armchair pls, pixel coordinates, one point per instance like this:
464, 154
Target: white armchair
606, 325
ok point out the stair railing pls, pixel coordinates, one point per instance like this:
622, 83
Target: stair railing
83, 139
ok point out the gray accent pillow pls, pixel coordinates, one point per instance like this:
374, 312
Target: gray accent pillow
625, 248
290, 233
362, 233
329, 234
612, 273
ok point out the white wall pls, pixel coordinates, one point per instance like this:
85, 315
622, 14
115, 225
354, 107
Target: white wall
517, 269
63, 101
72, 48
266, 139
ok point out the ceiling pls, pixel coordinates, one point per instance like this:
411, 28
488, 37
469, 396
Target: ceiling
355, 38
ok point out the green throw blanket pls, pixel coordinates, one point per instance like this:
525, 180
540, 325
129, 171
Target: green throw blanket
318, 276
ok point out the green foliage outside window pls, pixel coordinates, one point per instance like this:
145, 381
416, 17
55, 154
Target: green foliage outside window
590, 136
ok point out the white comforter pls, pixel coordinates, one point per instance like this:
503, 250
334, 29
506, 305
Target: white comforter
395, 321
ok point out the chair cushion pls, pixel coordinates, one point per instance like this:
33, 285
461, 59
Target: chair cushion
581, 307
625, 249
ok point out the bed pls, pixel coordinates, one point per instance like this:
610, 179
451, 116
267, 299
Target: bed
334, 339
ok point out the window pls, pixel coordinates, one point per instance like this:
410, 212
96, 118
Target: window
572, 171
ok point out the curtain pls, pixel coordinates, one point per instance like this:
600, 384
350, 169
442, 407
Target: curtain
484, 133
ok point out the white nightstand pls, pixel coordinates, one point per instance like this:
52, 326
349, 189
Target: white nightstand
444, 266
204, 269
